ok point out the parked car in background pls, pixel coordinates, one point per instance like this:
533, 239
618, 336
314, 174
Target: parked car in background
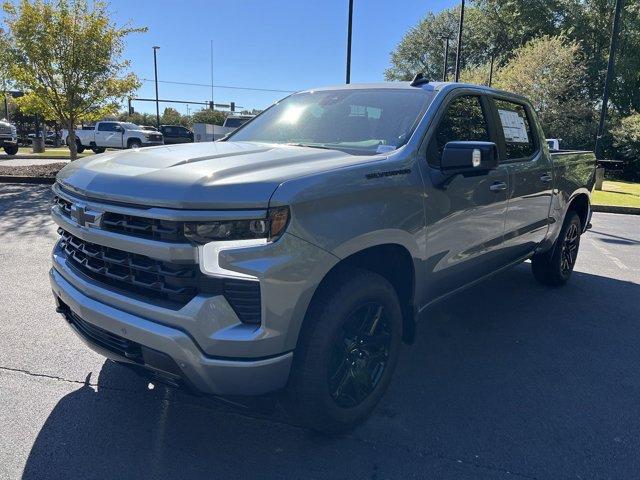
112, 134
299, 253
176, 134
8, 137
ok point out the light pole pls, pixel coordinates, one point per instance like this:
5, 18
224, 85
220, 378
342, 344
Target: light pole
459, 50
349, 30
607, 81
155, 68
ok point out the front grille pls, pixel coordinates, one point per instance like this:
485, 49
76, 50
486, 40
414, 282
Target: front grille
155, 138
165, 230
144, 227
171, 284
136, 273
5, 129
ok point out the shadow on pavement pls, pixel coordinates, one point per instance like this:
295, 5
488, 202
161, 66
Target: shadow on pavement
24, 210
506, 377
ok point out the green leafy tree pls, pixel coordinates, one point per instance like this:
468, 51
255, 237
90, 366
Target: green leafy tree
67, 56
626, 139
206, 115
550, 72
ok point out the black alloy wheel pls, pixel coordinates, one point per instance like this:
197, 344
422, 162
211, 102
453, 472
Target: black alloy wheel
360, 355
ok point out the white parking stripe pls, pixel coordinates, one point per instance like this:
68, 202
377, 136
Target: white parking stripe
608, 254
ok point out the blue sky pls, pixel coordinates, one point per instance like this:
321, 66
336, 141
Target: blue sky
276, 44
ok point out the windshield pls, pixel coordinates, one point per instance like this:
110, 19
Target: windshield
355, 121
130, 126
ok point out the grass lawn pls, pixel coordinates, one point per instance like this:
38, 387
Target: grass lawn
51, 152
620, 194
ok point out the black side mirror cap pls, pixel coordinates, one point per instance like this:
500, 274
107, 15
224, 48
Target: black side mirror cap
462, 157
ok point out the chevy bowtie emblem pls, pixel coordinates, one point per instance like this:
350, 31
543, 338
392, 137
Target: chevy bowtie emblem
84, 216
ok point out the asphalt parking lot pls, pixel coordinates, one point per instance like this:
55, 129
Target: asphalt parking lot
507, 380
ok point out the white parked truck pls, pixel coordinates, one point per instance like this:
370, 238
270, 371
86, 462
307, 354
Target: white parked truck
112, 134
8, 137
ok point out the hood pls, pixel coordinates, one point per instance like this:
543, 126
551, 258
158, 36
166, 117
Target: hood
210, 175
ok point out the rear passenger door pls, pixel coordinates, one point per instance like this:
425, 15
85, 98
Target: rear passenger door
465, 212
530, 174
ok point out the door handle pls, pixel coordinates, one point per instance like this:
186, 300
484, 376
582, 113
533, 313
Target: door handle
546, 177
498, 186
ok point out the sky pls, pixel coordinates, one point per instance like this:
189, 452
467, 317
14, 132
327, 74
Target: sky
270, 44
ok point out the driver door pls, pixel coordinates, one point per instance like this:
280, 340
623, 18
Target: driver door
465, 212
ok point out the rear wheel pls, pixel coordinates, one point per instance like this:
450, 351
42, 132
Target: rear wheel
79, 147
11, 149
98, 149
554, 267
347, 352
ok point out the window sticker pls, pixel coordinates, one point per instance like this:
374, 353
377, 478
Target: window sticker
513, 126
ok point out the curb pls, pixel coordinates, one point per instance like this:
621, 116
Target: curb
33, 157
32, 180
616, 209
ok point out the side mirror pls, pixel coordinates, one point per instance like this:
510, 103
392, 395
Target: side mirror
463, 157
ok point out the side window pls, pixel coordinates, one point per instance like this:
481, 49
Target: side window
105, 127
464, 120
518, 137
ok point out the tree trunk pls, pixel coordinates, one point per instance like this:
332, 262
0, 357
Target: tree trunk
71, 141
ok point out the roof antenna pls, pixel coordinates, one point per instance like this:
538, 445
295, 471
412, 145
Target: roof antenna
418, 80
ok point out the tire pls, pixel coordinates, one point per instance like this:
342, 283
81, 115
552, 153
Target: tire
11, 149
324, 391
135, 144
553, 268
98, 149
79, 147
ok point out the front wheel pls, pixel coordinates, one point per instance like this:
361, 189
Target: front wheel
347, 352
554, 267
11, 149
135, 144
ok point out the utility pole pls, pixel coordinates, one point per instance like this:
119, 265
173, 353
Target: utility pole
491, 68
446, 58
211, 71
155, 68
349, 30
608, 79
6, 106
459, 51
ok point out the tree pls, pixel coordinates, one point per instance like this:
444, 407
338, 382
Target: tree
206, 115
66, 55
626, 139
550, 72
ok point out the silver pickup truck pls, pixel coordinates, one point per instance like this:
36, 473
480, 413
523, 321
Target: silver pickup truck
298, 255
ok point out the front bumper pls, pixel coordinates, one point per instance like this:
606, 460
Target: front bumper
8, 140
188, 364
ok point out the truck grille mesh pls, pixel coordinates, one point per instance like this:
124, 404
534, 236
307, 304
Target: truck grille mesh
170, 283
131, 272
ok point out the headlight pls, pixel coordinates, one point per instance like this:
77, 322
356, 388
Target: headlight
270, 228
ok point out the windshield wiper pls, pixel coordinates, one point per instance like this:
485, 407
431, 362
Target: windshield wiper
311, 145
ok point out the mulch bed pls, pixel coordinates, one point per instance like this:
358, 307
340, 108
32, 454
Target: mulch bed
48, 170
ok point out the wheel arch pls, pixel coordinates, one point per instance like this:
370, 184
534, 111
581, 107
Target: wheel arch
393, 262
581, 204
